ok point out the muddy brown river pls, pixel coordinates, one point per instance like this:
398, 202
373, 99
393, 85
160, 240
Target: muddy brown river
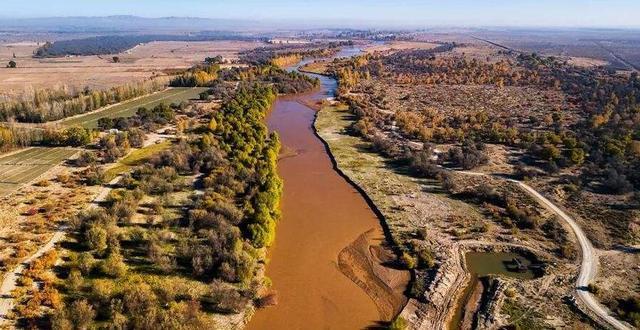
321, 215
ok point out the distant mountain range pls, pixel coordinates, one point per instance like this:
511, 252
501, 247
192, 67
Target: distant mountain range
125, 24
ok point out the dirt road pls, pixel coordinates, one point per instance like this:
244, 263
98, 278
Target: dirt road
589, 266
9, 282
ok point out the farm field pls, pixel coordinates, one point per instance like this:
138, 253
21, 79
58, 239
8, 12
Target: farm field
100, 72
128, 108
25, 166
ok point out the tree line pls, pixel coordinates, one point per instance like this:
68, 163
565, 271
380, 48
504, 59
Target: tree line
219, 237
44, 105
102, 45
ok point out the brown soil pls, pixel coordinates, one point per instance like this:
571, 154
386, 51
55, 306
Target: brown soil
472, 305
367, 263
99, 71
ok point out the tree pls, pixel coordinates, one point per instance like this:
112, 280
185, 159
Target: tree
96, 238
76, 136
114, 266
74, 282
116, 59
81, 314
12, 64
577, 156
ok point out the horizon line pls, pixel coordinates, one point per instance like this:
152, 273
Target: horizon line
372, 22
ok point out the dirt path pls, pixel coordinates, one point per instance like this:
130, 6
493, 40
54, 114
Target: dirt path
9, 282
589, 266
617, 57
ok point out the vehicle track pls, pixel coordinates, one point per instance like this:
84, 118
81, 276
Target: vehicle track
589, 264
9, 282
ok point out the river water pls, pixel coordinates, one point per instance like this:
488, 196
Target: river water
321, 214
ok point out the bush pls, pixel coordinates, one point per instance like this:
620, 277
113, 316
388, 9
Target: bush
85, 263
81, 314
421, 163
96, 238
409, 261
114, 266
425, 258
225, 299
74, 281
469, 156
399, 323
630, 310
86, 158
593, 288
617, 183
94, 176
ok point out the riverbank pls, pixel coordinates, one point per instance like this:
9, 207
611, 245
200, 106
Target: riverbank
322, 214
420, 214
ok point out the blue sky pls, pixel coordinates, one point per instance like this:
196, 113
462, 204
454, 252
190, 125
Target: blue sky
600, 13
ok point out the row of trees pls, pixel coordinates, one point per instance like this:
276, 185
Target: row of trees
605, 138
43, 105
290, 54
217, 240
198, 76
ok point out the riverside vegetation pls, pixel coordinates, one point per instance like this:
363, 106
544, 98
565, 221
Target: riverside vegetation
181, 241
516, 115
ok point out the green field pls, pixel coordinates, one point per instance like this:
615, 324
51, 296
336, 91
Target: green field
128, 108
27, 165
135, 158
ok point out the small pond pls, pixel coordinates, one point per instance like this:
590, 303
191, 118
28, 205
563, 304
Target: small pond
507, 264
482, 264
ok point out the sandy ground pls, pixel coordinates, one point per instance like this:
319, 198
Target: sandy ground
367, 263
400, 45
99, 71
586, 62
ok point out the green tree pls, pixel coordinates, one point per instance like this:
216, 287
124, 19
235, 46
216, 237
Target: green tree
76, 136
550, 152
96, 238
114, 266
12, 64
81, 314
577, 156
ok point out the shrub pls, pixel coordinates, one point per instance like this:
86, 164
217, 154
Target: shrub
593, 288
270, 299
225, 299
409, 261
399, 323
42, 183
425, 258
85, 263
617, 183
81, 314
86, 158
114, 266
96, 238
25, 281
74, 281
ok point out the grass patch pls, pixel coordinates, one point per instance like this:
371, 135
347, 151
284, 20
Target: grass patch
521, 317
135, 158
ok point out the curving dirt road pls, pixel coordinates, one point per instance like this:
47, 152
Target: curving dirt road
589, 266
9, 282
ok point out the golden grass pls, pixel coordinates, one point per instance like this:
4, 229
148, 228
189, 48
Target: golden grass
135, 158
